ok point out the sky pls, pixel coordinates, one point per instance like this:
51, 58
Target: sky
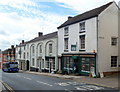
23, 19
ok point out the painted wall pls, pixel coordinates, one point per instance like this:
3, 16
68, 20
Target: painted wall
90, 37
45, 51
107, 28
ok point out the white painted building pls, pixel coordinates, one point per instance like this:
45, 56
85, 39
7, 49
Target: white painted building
22, 55
89, 41
40, 52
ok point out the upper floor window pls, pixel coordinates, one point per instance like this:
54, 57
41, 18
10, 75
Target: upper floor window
24, 55
82, 27
66, 31
24, 47
113, 61
50, 48
65, 43
113, 41
82, 42
40, 48
33, 49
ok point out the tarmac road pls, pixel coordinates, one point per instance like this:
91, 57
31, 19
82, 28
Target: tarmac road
31, 82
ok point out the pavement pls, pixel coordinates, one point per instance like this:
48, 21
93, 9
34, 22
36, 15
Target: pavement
108, 81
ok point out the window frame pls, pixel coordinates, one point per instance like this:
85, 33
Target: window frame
66, 31
82, 27
113, 42
66, 43
50, 47
81, 42
114, 62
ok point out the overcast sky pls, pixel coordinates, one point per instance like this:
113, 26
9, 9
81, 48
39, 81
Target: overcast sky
23, 19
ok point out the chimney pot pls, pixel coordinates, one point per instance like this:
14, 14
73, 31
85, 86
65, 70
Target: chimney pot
22, 41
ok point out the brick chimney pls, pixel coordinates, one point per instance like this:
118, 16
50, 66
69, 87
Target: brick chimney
40, 34
12, 46
69, 17
22, 41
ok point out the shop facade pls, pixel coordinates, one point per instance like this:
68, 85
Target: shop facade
82, 64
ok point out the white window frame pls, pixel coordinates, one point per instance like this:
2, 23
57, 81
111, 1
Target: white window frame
82, 26
66, 44
81, 48
114, 61
66, 31
50, 47
113, 42
40, 48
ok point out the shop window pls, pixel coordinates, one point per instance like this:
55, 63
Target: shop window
87, 64
47, 64
33, 62
113, 61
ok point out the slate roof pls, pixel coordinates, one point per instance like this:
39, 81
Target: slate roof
43, 37
87, 15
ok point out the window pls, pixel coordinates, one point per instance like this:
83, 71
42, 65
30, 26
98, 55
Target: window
113, 61
27, 55
47, 64
82, 42
33, 62
82, 27
66, 30
33, 49
24, 47
50, 48
24, 55
114, 41
37, 63
66, 43
40, 48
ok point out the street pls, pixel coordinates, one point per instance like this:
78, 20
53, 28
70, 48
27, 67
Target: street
31, 82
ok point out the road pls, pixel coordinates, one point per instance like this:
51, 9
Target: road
26, 82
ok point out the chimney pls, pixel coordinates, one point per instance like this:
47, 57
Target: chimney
12, 46
22, 41
69, 17
40, 34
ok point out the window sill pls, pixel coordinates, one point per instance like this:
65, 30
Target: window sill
115, 67
82, 50
66, 50
66, 35
82, 32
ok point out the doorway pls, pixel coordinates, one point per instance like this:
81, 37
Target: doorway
27, 64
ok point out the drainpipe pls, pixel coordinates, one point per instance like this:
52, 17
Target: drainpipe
97, 48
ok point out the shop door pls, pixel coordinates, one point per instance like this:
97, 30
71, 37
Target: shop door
76, 66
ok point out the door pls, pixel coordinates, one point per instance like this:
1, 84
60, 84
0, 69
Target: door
40, 68
27, 64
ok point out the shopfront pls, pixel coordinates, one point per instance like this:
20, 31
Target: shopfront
79, 63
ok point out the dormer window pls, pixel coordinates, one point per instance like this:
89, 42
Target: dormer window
82, 27
66, 31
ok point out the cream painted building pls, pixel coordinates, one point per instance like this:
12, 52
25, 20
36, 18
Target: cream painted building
89, 42
38, 54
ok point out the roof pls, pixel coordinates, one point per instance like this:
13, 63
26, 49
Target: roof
87, 15
43, 37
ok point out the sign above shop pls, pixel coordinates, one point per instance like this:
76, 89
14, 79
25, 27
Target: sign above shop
73, 47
